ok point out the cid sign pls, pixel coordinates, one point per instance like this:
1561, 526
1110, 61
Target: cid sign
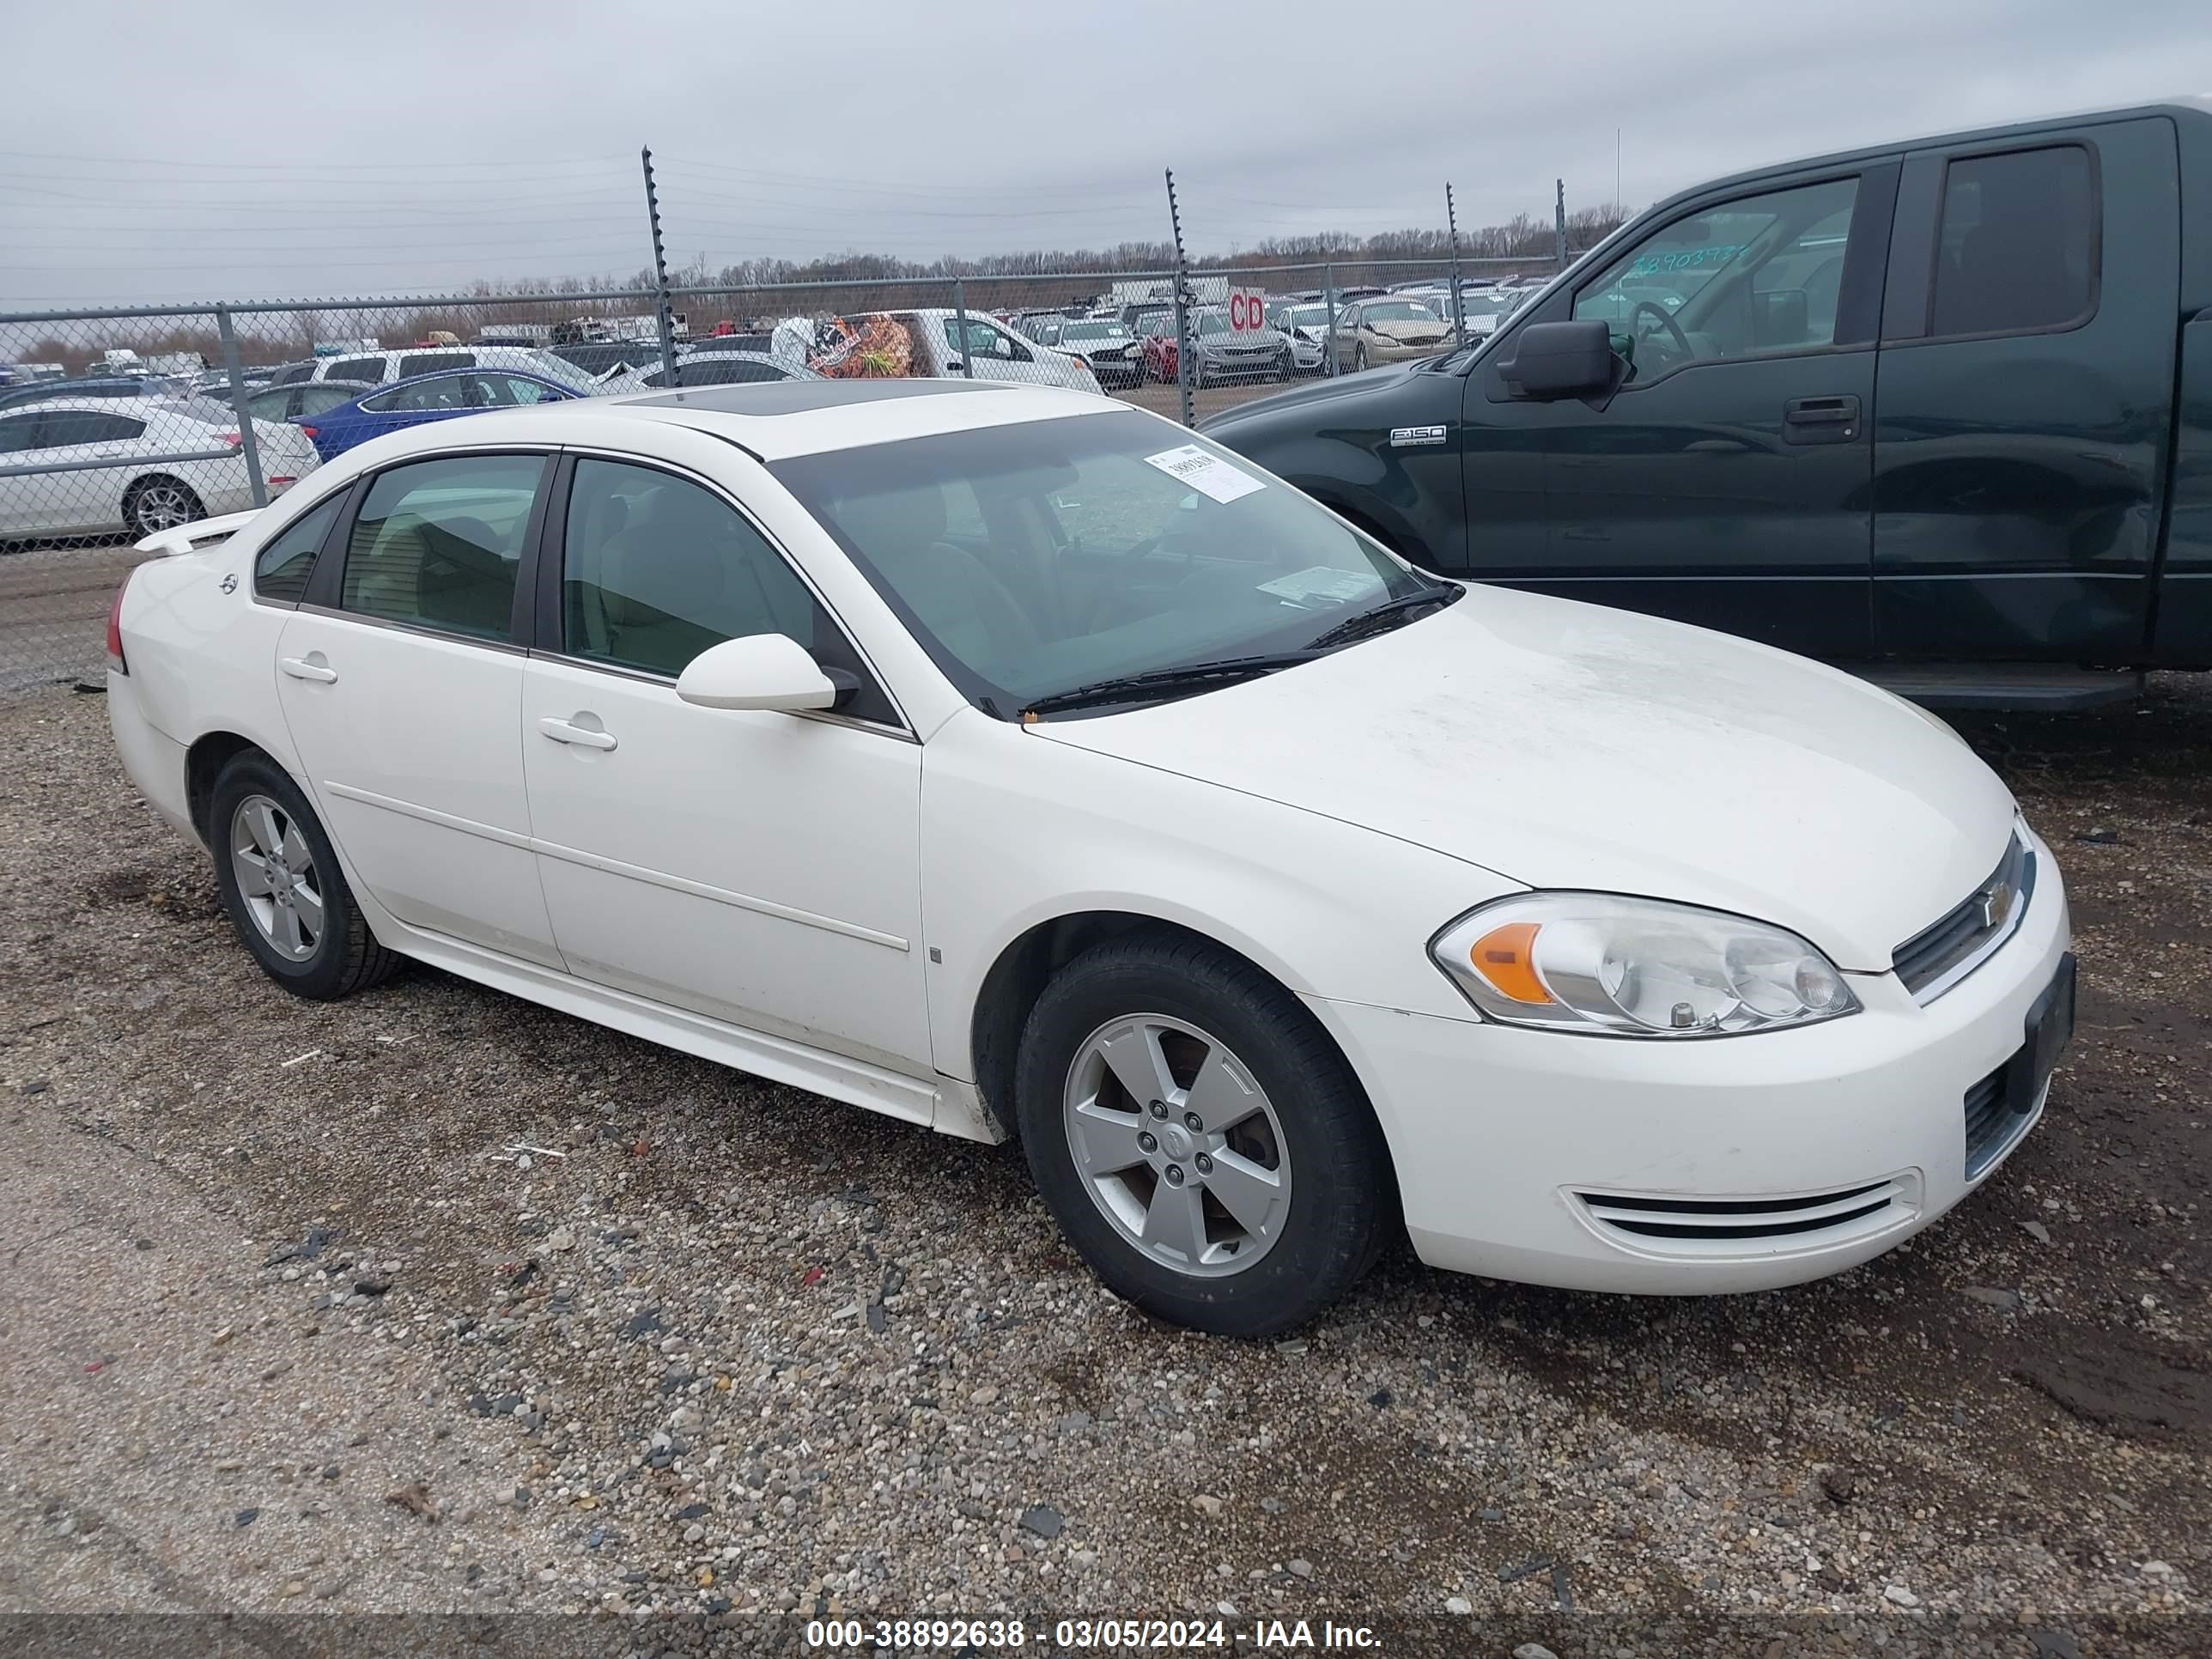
1248, 310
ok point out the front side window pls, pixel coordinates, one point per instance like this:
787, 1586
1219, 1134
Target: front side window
1756, 274
1099, 547
2019, 243
655, 569
444, 391
983, 340
512, 391
437, 543
282, 569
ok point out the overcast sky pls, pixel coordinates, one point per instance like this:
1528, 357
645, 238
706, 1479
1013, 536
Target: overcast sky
183, 151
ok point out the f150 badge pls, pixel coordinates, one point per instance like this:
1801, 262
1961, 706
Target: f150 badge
1402, 437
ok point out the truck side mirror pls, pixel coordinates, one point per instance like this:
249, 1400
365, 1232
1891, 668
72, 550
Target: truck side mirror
1554, 360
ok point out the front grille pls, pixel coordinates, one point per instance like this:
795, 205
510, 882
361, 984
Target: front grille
1711, 1226
1942, 954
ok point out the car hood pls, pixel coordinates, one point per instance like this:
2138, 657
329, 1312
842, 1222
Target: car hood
1568, 745
1376, 384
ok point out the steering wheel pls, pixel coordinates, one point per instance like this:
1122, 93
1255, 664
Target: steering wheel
1667, 320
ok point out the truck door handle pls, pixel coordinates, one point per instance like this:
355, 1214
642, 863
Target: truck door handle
311, 667
566, 732
1820, 420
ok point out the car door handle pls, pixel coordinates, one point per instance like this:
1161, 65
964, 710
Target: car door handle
307, 668
566, 732
1820, 420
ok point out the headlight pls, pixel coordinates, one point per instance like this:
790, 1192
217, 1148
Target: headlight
1600, 964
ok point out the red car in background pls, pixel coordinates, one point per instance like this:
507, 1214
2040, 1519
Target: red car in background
1159, 338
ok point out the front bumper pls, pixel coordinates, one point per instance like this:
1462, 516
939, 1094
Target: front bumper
1617, 1164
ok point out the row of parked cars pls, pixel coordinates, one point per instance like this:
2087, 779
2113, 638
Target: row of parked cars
143, 452
1134, 342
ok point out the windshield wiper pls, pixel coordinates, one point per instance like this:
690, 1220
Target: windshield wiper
1166, 681
1376, 618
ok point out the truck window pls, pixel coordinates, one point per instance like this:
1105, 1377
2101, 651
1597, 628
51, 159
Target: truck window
2018, 249
1756, 274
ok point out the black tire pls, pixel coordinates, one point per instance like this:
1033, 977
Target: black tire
1359, 356
1342, 1211
159, 486
346, 956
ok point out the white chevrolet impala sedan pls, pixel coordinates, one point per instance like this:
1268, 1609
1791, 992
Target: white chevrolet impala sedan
1015, 763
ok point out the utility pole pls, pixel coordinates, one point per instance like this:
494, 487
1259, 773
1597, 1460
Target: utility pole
1181, 304
1559, 223
1459, 310
660, 271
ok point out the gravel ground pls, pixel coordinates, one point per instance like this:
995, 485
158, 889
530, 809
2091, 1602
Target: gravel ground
434, 1300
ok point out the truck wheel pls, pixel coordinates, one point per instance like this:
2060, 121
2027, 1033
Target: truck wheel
1198, 1137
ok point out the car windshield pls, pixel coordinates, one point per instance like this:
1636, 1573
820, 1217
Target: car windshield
1094, 331
1397, 311
1303, 317
1031, 560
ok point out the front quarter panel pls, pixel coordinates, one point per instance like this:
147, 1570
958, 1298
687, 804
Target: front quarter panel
1381, 447
1017, 830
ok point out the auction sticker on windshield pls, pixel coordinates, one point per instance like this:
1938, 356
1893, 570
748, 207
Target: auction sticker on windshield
1206, 473
1322, 581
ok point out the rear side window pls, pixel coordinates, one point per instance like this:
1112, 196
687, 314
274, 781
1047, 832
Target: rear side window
282, 569
429, 362
437, 543
370, 369
87, 426
2018, 249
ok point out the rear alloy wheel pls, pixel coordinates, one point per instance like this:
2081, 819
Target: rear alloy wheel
279, 879
1198, 1137
158, 503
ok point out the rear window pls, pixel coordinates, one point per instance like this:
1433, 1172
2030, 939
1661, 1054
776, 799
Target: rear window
426, 362
357, 368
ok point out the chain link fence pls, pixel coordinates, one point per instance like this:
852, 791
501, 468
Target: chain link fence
120, 423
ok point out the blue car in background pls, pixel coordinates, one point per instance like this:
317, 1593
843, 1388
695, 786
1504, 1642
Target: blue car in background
435, 397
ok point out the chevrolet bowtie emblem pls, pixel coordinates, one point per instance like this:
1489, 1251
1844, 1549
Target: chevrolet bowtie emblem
1997, 906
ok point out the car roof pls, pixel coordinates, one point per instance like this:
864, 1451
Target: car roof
773, 420
2185, 109
444, 374
116, 405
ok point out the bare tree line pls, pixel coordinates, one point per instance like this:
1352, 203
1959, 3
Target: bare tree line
755, 285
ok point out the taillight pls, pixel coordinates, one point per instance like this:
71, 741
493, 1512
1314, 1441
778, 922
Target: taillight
115, 626
231, 438
310, 431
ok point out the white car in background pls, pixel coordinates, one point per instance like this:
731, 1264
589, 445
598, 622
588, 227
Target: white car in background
380, 368
1018, 764
92, 466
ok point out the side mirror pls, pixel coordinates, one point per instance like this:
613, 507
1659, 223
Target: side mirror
761, 670
1780, 317
1552, 360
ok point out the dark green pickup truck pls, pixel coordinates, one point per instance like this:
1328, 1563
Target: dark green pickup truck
1940, 412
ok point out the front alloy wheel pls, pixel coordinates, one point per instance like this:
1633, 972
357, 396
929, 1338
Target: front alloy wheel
1198, 1137
1177, 1145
